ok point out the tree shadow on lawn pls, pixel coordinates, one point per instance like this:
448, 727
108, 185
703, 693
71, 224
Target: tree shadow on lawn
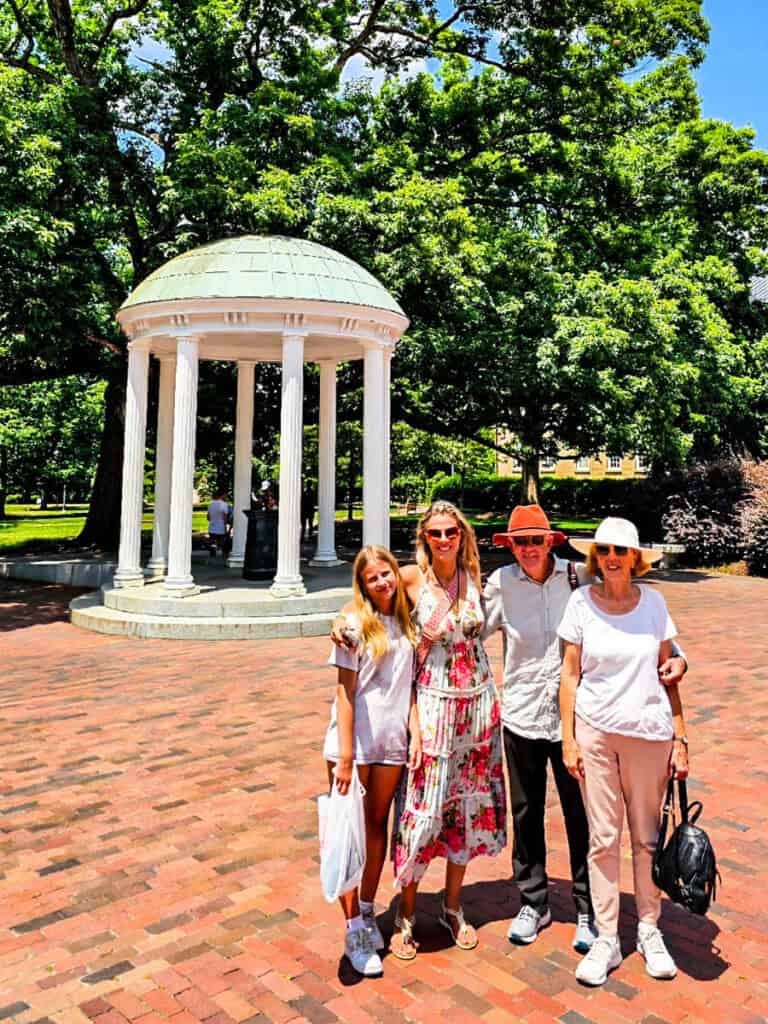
24, 604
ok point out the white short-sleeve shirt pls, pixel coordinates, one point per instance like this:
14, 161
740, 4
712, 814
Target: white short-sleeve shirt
620, 689
382, 699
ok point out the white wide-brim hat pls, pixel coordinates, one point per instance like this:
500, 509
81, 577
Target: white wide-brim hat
615, 530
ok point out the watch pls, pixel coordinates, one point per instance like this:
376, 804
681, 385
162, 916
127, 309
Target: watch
682, 739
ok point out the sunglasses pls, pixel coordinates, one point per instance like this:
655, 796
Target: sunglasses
523, 542
449, 534
605, 549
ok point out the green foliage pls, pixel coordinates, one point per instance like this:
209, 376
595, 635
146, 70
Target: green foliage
572, 242
704, 512
49, 436
754, 519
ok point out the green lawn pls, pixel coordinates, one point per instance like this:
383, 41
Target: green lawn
27, 527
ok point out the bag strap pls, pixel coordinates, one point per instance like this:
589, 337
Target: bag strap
573, 578
669, 807
683, 793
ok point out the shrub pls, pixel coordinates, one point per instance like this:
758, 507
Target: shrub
704, 512
754, 519
487, 492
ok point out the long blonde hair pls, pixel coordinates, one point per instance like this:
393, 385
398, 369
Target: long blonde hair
374, 633
468, 557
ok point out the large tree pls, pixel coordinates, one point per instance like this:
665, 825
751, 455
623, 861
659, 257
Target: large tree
566, 238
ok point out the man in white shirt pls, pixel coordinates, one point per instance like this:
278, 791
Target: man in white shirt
526, 601
219, 517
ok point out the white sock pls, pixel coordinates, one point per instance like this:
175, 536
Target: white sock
354, 923
366, 907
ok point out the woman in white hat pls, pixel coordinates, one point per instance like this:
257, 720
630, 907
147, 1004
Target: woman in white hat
623, 733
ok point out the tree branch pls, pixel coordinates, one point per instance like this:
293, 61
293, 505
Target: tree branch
22, 61
119, 15
64, 29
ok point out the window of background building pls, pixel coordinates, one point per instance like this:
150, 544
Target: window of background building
582, 464
614, 463
546, 465
642, 465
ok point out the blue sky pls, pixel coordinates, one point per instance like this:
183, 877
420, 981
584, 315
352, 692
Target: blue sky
733, 80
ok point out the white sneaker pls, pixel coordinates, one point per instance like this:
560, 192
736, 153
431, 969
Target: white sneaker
527, 925
585, 933
359, 950
369, 920
650, 945
604, 956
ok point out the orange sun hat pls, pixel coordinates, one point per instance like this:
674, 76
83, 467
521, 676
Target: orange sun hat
527, 521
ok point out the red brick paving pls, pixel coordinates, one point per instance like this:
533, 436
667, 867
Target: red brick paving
158, 856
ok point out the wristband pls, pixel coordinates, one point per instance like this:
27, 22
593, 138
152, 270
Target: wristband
682, 739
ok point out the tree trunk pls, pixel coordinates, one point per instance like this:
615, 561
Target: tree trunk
351, 486
102, 525
3, 479
529, 484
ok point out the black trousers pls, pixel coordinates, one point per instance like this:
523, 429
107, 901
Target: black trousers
527, 767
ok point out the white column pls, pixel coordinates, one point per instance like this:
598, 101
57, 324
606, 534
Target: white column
179, 581
387, 439
129, 572
158, 563
288, 581
375, 491
325, 553
243, 454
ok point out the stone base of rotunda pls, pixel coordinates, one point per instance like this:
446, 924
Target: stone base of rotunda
226, 608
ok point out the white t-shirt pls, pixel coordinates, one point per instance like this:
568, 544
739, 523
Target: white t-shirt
382, 699
218, 513
620, 689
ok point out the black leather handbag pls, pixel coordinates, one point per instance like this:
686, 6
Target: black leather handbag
685, 868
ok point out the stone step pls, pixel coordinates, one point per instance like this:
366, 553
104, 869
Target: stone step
88, 612
230, 603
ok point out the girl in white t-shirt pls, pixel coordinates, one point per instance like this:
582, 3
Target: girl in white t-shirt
623, 733
372, 716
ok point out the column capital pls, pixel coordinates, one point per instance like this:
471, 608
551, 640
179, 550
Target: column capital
140, 345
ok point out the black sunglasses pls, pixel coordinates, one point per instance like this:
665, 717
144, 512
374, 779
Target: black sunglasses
449, 534
536, 540
605, 549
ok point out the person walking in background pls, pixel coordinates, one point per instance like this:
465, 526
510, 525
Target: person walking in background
307, 512
219, 522
623, 734
526, 601
371, 719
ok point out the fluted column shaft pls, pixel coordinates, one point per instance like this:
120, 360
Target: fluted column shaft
325, 553
387, 440
243, 454
375, 491
129, 572
288, 580
179, 580
158, 563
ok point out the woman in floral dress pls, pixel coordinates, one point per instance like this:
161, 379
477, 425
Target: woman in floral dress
455, 803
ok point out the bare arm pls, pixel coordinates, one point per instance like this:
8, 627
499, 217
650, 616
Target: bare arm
345, 719
414, 728
570, 674
678, 761
338, 628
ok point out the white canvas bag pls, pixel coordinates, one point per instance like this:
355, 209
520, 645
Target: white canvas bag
341, 821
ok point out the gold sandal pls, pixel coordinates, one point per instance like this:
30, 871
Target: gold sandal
466, 936
402, 944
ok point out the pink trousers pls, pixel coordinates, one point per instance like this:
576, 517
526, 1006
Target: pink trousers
619, 772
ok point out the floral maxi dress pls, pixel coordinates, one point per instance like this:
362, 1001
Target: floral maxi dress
455, 803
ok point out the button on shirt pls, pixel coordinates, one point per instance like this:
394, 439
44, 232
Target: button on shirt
528, 614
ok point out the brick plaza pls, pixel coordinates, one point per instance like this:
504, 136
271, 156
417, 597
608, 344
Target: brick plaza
158, 849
